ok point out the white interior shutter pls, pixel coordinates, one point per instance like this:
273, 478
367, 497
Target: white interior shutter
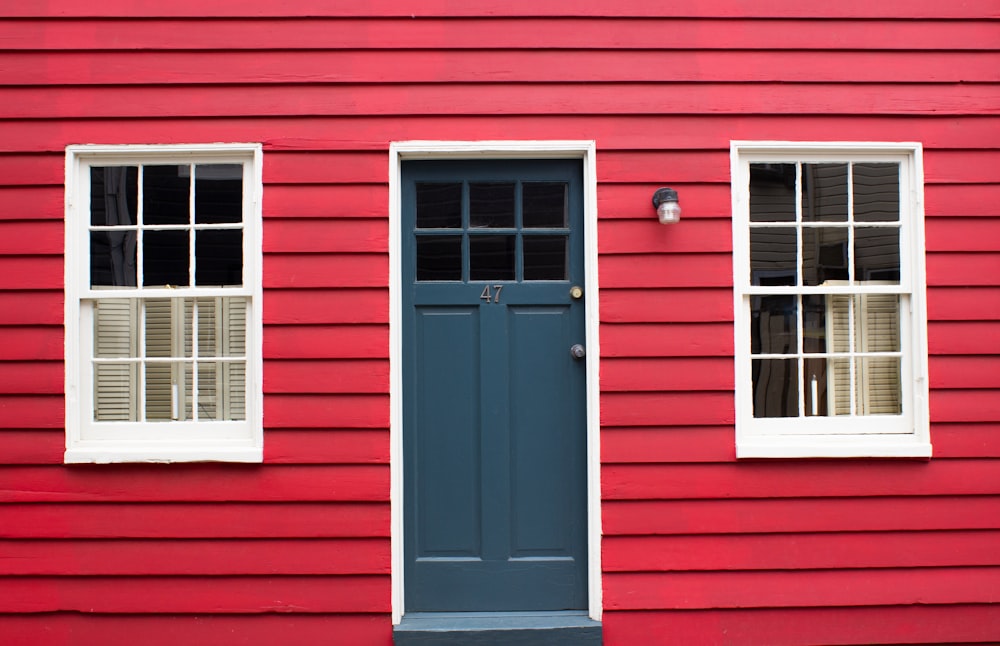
115, 384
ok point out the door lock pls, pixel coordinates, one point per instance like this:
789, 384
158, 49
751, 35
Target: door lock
578, 351
576, 292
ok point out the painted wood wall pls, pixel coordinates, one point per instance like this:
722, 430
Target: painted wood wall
698, 548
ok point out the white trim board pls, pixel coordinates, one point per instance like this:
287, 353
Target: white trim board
586, 151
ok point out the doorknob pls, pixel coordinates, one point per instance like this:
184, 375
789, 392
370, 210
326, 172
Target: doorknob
578, 351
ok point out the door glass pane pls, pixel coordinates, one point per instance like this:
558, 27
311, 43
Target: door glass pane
166, 194
824, 192
772, 192
772, 325
544, 257
772, 256
439, 205
218, 257
218, 193
544, 204
876, 254
876, 192
491, 257
165, 258
439, 257
775, 387
824, 254
491, 205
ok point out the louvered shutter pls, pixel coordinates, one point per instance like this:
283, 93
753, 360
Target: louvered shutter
160, 376
115, 384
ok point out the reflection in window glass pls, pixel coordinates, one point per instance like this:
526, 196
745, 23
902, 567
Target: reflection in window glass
876, 254
824, 193
773, 325
772, 192
876, 192
773, 256
775, 387
824, 254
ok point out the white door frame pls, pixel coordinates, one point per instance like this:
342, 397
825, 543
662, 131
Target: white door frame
585, 151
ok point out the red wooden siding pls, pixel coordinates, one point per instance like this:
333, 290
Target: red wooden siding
698, 548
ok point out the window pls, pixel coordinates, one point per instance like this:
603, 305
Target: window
829, 300
163, 302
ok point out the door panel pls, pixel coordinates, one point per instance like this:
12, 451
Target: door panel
494, 434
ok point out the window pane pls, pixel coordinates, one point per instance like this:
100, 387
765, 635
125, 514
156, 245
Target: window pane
439, 257
218, 193
815, 387
114, 195
876, 192
838, 383
218, 257
878, 323
772, 192
775, 387
221, 390
772, 325
838, 323
165, 258
115, 328
112, 258
166, 194
439, 205
824, 254
772, 256
161, 338
115, 387
824, 192
814, 323
544, 257
491, 205
876, 254
878, 384
544, 204
491, 257
168, 391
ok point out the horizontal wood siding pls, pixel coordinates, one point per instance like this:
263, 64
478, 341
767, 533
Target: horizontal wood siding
698, 548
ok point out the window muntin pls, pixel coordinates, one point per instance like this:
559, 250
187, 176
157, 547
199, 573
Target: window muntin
164, 355
828, 275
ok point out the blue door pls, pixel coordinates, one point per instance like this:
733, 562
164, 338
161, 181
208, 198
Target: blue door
494, 386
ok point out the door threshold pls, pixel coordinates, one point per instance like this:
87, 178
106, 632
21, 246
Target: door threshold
507, 628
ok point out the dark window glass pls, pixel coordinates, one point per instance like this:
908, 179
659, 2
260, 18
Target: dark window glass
772, 256
775, 387
876, 254
824, 192
439, 205
112, 258
491, 257
876, 192
166, 194
114, 195
544, 257
218, 257
543, 204
814, 323
772, 325
772, 192
491, 205
218, 193
165, 258
439, 257
824, 254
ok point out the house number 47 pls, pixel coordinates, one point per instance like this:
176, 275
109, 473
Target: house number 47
491, 297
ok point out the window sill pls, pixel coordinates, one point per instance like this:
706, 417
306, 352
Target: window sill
833, 446
96, 452
508, 628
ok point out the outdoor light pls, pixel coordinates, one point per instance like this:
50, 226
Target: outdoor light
667, 207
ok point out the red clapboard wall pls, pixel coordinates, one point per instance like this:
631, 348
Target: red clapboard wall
698, 548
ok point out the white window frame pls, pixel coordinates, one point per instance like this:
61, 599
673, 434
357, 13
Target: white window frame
163, 441
905, 435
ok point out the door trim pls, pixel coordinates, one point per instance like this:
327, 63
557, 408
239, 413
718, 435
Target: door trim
407, 150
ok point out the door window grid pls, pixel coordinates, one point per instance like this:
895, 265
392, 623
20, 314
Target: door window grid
491, 231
